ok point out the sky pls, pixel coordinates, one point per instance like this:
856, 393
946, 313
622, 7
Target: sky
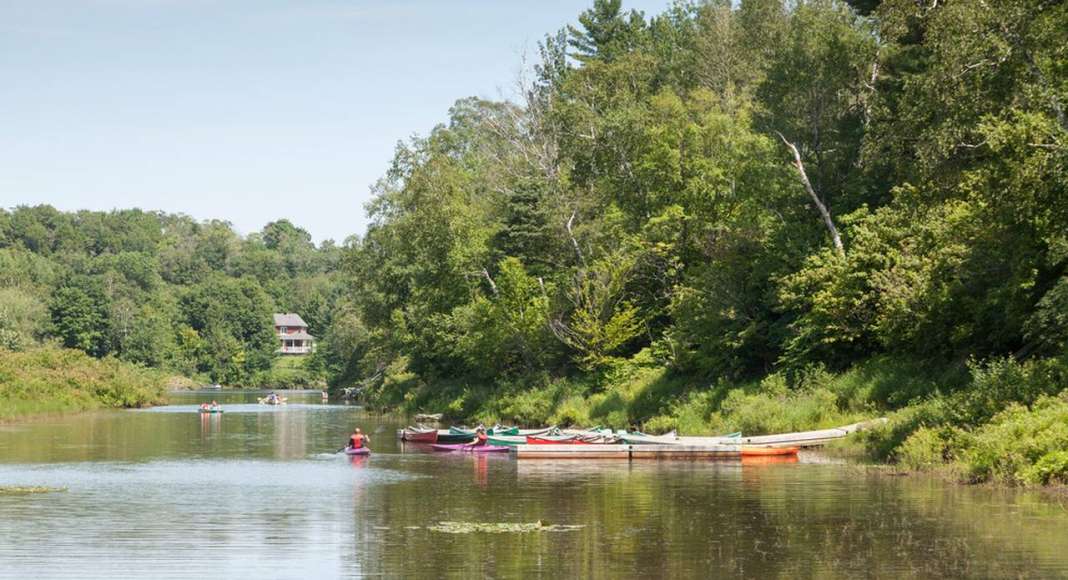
243, 110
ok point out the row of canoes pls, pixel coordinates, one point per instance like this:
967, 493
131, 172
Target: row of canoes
502, 439
463, 435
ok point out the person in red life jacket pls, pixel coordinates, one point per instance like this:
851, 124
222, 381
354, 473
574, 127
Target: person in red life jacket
480, 437
357, 440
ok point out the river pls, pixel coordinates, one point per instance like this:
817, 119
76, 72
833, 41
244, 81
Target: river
257, 492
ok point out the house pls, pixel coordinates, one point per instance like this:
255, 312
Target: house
293, 337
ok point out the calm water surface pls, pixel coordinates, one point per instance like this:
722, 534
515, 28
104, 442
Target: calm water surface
257, 492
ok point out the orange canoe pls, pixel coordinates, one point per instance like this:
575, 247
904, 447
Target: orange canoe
751, 451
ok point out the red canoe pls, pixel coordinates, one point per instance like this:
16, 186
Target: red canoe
750, 451
470, 448
420, 435
531, 440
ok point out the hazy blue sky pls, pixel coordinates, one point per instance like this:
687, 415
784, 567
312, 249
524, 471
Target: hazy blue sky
244, 110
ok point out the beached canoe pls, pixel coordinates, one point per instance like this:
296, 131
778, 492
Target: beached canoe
496, 430
471, 448
416, 435
447, 436
560, 440
752, 451
509, 440
360, 451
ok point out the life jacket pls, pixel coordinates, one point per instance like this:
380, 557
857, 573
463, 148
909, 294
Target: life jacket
482, 438
356, 441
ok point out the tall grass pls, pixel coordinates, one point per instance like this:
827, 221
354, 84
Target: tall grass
54, 380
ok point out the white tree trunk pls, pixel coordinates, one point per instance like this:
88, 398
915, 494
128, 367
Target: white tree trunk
824, 212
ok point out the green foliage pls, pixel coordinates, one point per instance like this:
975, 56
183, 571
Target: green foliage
159, 290
53, 380
1021, 445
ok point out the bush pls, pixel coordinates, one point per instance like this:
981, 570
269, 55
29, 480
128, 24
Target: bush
1051, 468
1011, 447
928, 448
55, 380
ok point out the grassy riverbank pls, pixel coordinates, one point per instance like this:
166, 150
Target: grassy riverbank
50, 380
1000, 421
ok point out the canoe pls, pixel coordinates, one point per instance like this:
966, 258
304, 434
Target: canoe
751, 451
420, 435
673, 439
525, 432
211, 410
470, 448
565, 440
509, 440
265, 401
447, 436
497, 430
360, 451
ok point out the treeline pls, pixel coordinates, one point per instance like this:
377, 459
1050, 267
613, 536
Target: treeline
163, 291
728, 190
757, 216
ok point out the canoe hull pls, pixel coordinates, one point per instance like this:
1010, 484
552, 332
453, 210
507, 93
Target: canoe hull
420, 436
748, 451
445, 436
360, 451
554, 441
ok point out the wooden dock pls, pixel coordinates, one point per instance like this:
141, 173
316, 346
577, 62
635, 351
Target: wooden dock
627, 452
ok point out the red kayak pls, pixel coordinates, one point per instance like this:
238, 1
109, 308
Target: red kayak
420, 435
532, 440
470, 448
359, 451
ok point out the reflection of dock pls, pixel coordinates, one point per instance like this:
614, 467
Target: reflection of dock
627, 452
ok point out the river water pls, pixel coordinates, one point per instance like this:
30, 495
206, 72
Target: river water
257, 492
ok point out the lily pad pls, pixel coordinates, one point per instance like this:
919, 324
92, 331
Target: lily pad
499, 528
19, 490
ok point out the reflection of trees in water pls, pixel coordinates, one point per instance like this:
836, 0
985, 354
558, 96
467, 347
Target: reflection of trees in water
701, 520
290, 434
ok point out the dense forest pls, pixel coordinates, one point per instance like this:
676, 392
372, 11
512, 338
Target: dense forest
756, 215
162, 291
753, 215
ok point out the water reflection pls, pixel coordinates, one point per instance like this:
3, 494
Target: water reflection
260, 492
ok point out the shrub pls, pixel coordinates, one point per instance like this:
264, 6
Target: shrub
1051, 468
1013, 444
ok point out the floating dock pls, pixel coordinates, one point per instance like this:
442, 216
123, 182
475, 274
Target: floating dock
627, 452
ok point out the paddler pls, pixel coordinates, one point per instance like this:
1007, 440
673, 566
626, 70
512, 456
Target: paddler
357, 440
480, 437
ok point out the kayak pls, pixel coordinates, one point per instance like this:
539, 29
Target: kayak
471, 448
420, 435
211, 410
279, 401
751, 451
360, 451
